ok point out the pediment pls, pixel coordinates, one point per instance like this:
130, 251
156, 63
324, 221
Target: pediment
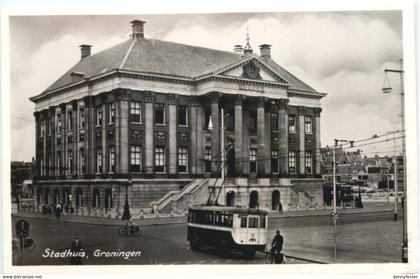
252, 69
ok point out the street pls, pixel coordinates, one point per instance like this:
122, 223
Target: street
361, 238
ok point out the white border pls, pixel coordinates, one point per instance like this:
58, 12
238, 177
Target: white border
185, 6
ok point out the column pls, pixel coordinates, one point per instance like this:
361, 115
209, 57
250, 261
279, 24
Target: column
301, 127
239, 135
200, 140
173, 102
90, 157
193, 149
261, 151
104, 135
37, 137
245, 142
121, 131
283, 137
318, 140
215, 136
75, 116
148, 131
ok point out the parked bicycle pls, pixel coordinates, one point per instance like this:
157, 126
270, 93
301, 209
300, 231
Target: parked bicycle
272, 258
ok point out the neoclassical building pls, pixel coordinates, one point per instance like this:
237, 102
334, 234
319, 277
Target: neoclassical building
142, 120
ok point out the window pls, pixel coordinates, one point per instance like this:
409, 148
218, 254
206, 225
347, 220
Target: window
95, 198
243, 221
160, 114
108, 198
253, 160
207, 159
59, 168
79, 197
253, 120
308, 124
308, 162
135, 112
253, 222
292, 123
112, 158
42, 128
111, 112
274, 161
230, 120
135, 158
159, 159
82, 160
70, 162
99, 159
50, 125
69, 120
82, 118
274, 121
182, 159
292, 162
207, 116
182, 116
262, 222
98, 115
59, 123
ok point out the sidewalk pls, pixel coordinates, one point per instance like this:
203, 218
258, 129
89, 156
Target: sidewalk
183, 219
100, 220
328, 212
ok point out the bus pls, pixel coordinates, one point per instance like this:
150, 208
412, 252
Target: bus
228, 229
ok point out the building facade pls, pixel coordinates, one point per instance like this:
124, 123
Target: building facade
142, 121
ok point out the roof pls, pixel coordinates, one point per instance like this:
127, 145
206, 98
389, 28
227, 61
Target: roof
240, 210
153, 56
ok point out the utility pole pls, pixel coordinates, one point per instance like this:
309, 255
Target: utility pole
388, 89
335, 216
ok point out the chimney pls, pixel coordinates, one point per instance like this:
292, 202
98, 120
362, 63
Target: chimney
265, 51
138, 29
85, 51
238, 49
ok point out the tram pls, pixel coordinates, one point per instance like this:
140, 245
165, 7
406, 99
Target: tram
228, 229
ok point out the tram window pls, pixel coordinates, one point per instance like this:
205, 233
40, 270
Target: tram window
243, 222
262, 222
253, 222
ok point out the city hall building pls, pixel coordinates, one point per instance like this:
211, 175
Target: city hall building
142, 121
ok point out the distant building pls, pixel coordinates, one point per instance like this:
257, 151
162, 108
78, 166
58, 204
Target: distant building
350, 166
142, 119
21, 174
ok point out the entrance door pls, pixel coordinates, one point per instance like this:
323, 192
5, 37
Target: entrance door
253, 199
230, 157
275, 200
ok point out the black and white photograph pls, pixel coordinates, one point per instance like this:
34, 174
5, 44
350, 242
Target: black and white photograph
250, 138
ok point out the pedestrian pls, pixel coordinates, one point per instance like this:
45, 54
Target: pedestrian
277, 247
281, 208
76, 249
58, 211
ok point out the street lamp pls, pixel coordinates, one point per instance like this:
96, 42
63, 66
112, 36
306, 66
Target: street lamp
388, 89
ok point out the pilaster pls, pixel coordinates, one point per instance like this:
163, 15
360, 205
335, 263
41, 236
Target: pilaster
173, 102
261, 151
149, 131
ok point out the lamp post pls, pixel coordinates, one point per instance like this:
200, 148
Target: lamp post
387, 89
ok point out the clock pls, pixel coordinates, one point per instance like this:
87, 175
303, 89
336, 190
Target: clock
251, 71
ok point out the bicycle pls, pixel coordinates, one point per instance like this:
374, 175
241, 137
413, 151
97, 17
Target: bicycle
280, 259
129, 230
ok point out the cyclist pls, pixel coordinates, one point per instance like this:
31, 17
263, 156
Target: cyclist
277, 246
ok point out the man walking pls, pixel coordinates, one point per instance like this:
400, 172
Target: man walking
76, 249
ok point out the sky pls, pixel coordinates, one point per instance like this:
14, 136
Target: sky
343, 54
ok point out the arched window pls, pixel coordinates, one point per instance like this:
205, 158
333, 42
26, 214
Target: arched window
230, 198
253, 199
275, 200
79, 197
108, 198
95, 198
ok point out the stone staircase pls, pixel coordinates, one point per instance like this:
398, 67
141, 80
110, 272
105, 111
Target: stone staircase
192, 193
